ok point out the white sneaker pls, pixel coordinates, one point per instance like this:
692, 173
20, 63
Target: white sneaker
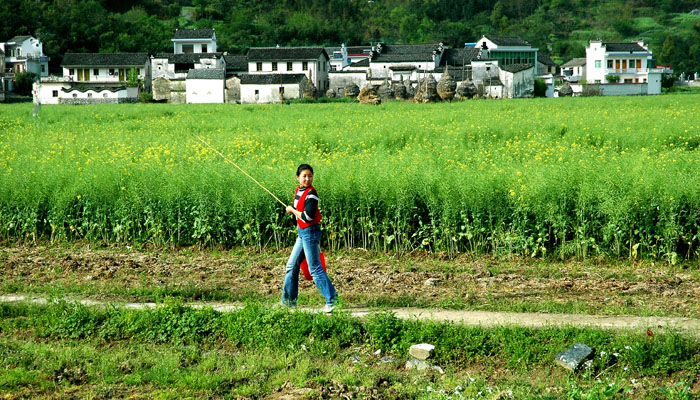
328, 308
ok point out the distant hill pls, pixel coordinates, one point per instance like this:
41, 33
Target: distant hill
560, 28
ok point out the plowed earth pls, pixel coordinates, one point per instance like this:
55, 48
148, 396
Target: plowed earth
361, 279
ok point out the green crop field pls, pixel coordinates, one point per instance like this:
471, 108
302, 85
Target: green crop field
578, 177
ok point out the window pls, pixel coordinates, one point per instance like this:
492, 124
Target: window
188, 48
55, 93
258, 66
610, 63
597, 63
75, 95
645, 80
104, 95
639, 63
629, 80
43, 68
257, 92
305, 66
281, 89
95, 71
111, 70
274, 66
71, 71
289, 65
204, 48
89, 95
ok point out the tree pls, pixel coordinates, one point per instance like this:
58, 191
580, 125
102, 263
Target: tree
23, 83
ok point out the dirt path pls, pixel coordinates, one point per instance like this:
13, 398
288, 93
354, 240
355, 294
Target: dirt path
469, 318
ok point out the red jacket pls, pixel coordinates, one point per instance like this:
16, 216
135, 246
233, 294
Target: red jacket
300, 208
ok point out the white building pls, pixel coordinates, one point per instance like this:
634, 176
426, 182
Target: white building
310, 61
610, 64
574, 70
204, 85
177, 66
508, 50
107, 69
188, 41
393, 61
271, 88
25, 54
628, 62
90, 78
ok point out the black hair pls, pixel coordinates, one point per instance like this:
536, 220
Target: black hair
303, 167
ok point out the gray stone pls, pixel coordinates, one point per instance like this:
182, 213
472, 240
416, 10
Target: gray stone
421, 351
415, 363
431, 282
438, 369
388, 359
571, 359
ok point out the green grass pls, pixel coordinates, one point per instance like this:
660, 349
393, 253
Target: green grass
615, 177
64, 350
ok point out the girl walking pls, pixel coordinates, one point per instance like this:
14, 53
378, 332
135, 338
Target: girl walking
308, 219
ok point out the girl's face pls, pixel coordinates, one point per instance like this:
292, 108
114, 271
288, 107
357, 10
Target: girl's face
305, 178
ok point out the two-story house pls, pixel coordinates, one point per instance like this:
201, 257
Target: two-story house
310, 61
96, 78
629, 62
508, 50
404, 60
25, 54
187, 41
626, 62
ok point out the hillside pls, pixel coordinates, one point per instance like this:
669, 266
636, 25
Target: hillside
557, 27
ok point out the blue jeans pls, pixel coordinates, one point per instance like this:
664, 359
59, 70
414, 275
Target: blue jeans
306, 246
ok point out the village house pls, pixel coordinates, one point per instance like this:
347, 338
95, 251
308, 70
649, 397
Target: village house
189, 41
310, 61
393, 62
574, 70
353, 74
23, 54
271, 88
96, 78
546, 66
627, 63
205, 85
508, 50
2, 76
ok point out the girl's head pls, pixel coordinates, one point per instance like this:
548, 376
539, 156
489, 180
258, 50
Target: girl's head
305, 175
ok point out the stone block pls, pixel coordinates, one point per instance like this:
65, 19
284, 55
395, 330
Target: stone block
421, 351
572, 358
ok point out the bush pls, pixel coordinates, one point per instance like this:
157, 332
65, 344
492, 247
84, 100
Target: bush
540, 88
146, 97
23, 83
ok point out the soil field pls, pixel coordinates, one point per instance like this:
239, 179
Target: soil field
361, 278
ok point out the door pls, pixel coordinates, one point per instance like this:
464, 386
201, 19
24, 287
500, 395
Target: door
80, 74
121, 74
87, 74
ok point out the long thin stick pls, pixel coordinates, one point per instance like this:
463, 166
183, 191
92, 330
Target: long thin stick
240, 169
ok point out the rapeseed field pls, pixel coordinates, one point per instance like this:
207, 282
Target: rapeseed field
575, 177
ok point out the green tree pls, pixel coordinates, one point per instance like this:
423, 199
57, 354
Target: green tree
23, 83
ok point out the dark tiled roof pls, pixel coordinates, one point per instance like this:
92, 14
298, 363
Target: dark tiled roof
236, 62
507, 40
361, 63
18, 39
405, 53
513, 68
624, 47
206, 73
455, 57
189, 58
104, 59
575, 62
400, 67
271, 79
82, 88
546, 60
194, 33
285, 53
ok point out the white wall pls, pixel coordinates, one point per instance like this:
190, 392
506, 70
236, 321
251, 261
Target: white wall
205, 90
196, 46
268, 93
318, 70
